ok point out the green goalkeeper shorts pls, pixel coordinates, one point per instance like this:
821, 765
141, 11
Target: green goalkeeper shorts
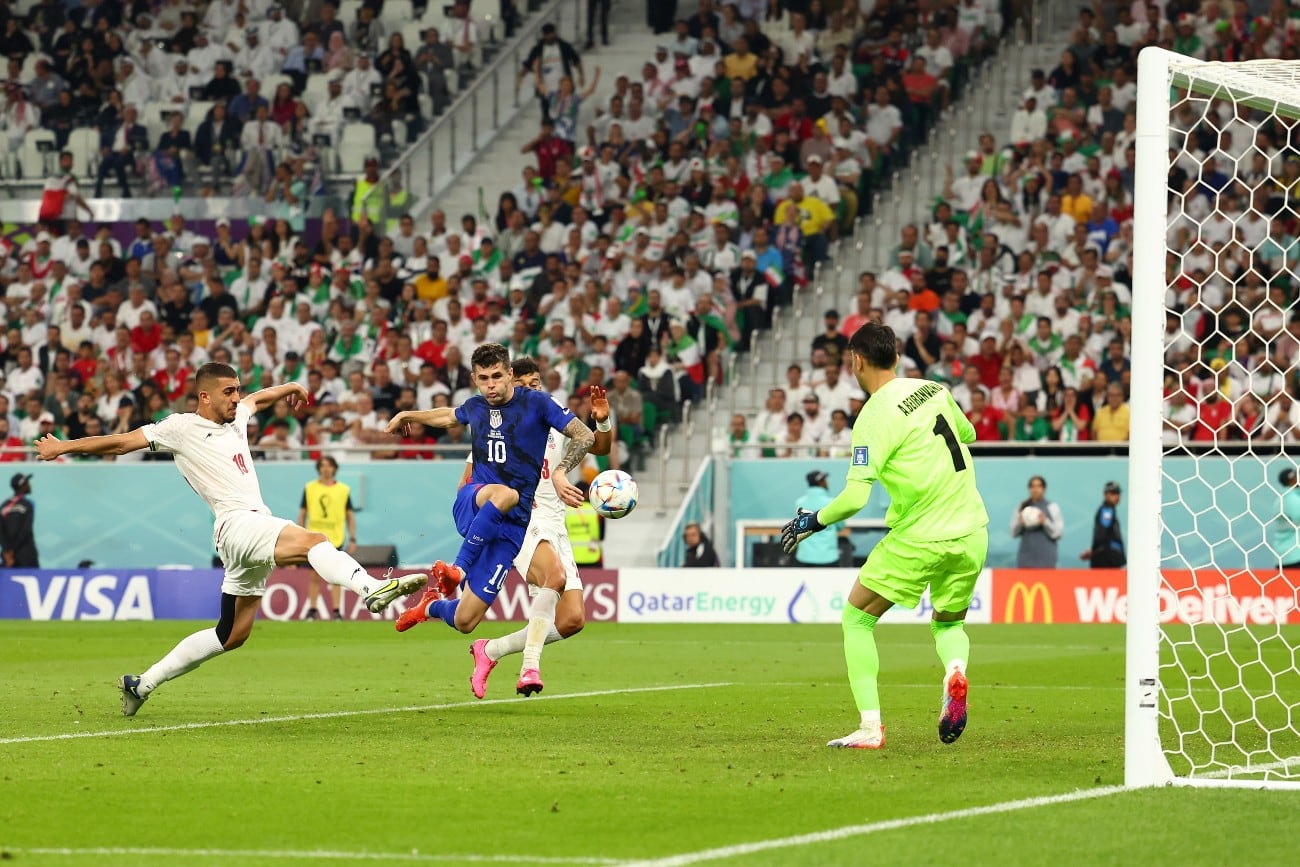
900, 570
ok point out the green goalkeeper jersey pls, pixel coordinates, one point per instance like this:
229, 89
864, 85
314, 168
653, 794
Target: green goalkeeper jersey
911, 438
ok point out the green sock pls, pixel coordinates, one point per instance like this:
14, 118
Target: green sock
860, 654
952, 642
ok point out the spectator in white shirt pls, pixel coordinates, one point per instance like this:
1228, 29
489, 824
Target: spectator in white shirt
128, 312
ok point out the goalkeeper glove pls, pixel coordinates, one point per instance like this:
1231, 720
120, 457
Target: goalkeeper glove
801, 526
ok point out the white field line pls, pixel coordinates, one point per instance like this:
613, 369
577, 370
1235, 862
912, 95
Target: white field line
1241, 770
309, 855
871, 828
342, 714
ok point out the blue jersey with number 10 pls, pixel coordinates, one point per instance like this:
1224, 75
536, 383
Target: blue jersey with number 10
509, 441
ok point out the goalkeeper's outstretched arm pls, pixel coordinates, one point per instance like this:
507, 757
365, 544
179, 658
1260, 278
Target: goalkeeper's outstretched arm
847, 504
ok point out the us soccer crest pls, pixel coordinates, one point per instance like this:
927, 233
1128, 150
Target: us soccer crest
494, 418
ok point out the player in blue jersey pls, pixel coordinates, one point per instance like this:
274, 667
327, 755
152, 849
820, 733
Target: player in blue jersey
509, 427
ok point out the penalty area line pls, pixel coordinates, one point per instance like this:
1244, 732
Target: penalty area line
343, 714
309, 855
872, 828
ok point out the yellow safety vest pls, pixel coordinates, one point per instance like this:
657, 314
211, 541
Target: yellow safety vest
327, 509
396, 205
372, 207
583, 527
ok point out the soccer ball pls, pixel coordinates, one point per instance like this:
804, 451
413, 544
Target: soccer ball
613, 493
1031, 517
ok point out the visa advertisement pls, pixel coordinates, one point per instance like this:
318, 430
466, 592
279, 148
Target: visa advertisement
195, 594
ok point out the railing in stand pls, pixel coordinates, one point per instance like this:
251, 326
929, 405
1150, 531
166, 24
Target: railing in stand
443, 135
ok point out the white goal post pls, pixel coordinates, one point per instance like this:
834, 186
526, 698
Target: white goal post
1213, 699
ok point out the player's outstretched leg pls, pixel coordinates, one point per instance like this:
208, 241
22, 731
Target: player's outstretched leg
434, 605
392, 589
231, 631
953, 646
339, 568
864, 669
493, 501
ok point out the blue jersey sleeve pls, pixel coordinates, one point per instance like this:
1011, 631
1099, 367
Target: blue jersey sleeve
556, 416
462, 413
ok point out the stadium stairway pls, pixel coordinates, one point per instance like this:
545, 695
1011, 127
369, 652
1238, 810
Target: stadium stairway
987, 105
496, 167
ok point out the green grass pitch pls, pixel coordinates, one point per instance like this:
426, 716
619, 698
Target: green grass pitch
355, 745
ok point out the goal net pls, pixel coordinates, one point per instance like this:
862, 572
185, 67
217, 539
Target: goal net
1213, 645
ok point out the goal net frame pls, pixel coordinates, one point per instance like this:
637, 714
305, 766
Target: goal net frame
1146, 761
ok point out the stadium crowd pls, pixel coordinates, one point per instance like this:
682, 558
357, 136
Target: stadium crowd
646, 245
147, 94
1016, 291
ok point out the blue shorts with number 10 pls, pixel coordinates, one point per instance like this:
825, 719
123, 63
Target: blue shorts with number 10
488, 574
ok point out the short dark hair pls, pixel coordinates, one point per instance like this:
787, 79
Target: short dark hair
327, 459
875, 344
525, 365
213, 370
490, 355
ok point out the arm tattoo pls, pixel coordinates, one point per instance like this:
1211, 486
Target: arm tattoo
580, 442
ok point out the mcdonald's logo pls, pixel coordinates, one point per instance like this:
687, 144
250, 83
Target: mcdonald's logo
1029, 595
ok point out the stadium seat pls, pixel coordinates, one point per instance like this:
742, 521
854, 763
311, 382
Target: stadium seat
29, 65
196, 114
395, 14
31, 162
426, 105
348, 12
356, 143
434, 16
411, 31
273, 81
317, 89
154, 116
83, 144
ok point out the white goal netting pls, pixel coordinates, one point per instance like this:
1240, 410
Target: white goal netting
1228, 698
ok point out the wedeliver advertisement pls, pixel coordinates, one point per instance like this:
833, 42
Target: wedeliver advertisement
757, 596
1240, 596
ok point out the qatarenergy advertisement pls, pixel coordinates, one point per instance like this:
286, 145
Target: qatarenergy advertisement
757, 596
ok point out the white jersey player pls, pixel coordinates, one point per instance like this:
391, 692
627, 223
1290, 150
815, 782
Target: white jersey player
546, 557
211, 451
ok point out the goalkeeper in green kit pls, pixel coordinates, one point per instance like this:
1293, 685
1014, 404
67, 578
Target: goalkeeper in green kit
911, 438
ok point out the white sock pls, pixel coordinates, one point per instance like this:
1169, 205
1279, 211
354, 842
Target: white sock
515, 641
338, 567
540, 624
870, 719
189, 654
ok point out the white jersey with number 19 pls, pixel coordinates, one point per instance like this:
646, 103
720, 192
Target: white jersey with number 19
213, 458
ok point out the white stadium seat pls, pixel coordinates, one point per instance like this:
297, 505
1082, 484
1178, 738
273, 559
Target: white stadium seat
196, 114
397, 13
317, 90
83, 144
356, 143
30, 159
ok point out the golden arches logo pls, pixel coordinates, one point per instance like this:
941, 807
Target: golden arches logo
1029, 596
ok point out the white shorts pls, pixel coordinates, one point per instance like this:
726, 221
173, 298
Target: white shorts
245, 543
558, 539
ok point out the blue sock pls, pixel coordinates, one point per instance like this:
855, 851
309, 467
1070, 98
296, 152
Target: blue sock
445, 610
483, 531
